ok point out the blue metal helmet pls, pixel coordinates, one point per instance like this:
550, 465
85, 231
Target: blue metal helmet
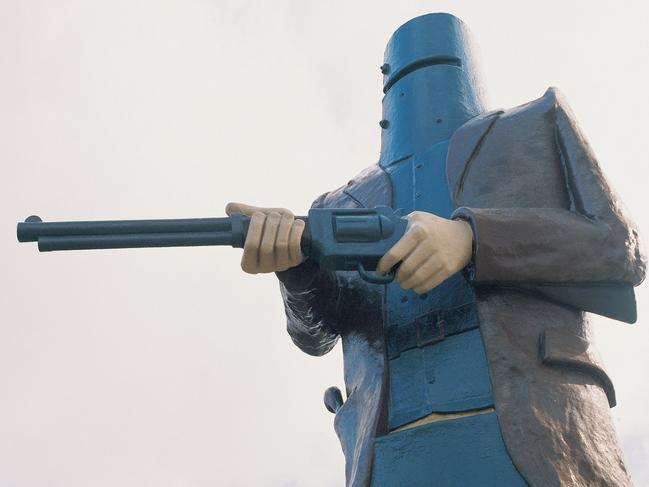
430, 83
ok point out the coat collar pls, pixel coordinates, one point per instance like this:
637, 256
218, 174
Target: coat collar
463, 146
372, 187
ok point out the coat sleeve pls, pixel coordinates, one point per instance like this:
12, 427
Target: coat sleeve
580, 256
312, 302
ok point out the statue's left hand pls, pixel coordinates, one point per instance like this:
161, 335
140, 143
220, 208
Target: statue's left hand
432, 250
273, 239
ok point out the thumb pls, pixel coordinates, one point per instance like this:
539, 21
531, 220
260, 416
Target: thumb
248, 210
242, 208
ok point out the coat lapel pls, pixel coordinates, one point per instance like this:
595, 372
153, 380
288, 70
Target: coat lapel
372, 187
462, 148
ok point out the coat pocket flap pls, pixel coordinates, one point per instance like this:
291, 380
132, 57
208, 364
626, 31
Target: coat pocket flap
563, 348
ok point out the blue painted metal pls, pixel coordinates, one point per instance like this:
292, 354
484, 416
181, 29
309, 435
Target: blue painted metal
333, 399
431, 85
353, 238
437, 374
447, 377
463, 452
436, 358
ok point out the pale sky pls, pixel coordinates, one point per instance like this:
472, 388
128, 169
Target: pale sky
170, 367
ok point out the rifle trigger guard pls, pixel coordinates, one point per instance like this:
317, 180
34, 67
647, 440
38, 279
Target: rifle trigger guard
373, 277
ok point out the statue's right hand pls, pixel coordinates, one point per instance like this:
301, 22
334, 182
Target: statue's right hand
273, 240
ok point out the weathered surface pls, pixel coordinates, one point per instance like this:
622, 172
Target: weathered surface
542, 212
473, 454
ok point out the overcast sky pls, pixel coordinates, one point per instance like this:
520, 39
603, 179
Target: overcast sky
170, 367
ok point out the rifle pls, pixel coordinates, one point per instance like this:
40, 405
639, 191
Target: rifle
338, 239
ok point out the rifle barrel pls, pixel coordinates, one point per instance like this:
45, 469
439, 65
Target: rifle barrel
31, 231
129, 241
120, 234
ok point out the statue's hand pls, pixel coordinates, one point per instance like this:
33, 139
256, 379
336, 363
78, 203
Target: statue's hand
273, 240
432, 250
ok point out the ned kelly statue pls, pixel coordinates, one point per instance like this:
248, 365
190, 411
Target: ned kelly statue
457, 272
474, 367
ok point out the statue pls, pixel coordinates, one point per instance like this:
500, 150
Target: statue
467, 354
474, 367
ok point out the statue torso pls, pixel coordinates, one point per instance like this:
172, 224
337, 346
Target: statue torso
436, 361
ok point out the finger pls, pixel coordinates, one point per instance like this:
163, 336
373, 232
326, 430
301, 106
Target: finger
294, 248
432, 282
282, 257
413, 261
248, 210
250, 258
422, 274
267, 247
400, 250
